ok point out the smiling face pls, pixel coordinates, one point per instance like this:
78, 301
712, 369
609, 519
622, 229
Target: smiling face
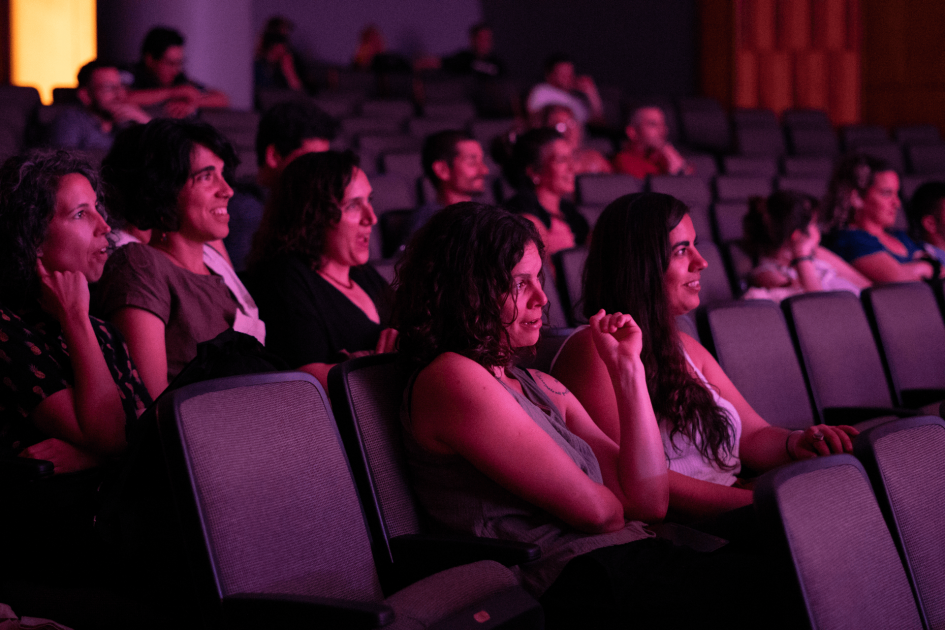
557, 168
347, 243
203, 199
881, 201
522, 310
681, 280
76, 237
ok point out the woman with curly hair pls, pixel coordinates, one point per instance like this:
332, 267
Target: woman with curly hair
69, 388
861, 207
169, 177
643, 260
498, 451
308, 269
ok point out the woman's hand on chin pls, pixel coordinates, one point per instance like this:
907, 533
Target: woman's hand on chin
617, 338
63, 294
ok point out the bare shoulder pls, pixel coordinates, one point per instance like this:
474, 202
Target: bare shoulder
450, 375
697, 352
550, 384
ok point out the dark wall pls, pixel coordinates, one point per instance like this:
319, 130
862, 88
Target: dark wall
646, 47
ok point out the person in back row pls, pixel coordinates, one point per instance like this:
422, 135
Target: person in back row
105, 109
168, 296
926, 212
285, 132
159, 77
561, 119
563, 87
647, 150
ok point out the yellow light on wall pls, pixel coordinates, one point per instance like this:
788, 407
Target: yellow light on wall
49, 41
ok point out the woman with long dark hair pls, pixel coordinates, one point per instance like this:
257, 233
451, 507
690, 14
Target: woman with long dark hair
643, 260
499, 451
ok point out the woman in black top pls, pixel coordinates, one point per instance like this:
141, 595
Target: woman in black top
321, 301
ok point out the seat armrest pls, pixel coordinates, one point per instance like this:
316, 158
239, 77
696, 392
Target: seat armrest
273, 610
851, 415
24, 469
914, 398
454, 550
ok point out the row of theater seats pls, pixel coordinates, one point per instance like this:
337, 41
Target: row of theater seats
823, 357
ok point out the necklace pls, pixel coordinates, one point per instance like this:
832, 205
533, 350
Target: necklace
341, 284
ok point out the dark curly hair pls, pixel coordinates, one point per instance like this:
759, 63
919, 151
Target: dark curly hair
28, 186
148, 165
627, 260
528, 152
771, 221
454, 279
855, 173
305, 203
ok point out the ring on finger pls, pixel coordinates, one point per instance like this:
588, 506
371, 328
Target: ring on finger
818, 436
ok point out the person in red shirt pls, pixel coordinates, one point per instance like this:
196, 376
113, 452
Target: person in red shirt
648, 150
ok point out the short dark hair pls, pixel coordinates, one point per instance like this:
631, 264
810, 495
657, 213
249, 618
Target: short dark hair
554, 59
158, 40
528, 153
28, 186
855, 172
272, 38
286, 125
453, 280
306, 202
771, 221
86, 71
479, 26
926, 200
146, 169
442, 145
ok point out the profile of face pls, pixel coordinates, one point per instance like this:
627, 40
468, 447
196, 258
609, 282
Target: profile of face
466, 174
481, 42
934, 224
648, 128
681, 281
202, 202
562, 120
880, 203
166, 68
521, 312
347, 242
562, 76
556, 173
105, 90
76, 239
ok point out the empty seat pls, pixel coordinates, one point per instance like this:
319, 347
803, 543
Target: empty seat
372, 146
806, 118
393, 109
814, 186
813, 141
909, 183
759, 141
703, 165
338, 105
889, 152
702, 222
485, 131
807, 166
392, 192
742, 117
407, 164
706, 130
741, 188
759, 165
854, 136
753, 346
602, 189
360, 125
716, 286
904, 461
591, 213
926, 158
569, 265
844, 557
443, 88
423, 127
911, 336
917, 134
692, 191
456, 110
740, 263
841, 359
728, 218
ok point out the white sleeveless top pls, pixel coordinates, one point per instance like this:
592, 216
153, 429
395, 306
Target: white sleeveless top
682, 455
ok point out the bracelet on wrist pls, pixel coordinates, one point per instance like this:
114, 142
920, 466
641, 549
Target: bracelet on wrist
787, 446
800, 259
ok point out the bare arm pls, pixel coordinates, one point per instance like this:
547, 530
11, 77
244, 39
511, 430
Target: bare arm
144, 334
842, 267
213, 98
882, 268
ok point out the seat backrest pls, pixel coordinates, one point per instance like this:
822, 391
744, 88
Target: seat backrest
753, 346
367, 395
741, 188
889, 152
806, 119
391, 192
814, 186
716, 286
554, 315
840, 357
846, 561
911, 334
755, 165
703, 165
813, 141
904, 460
807, 166
396, 109
549, 344
729, 217
600, 190
570, 268
759, 141
854, 136
927, 158
916, 134
404, 163
706, 129
263, 486
692, 191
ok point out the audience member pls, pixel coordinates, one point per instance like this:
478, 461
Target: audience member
274, 66
159, 77
541, 168
782, 235
503, 452
453, 162
286, 131
70, 389
322, 302
926, 212
860, 211
643, 261
105, 109
178, 291
563, 87
478, 60
561, 119
647, 150
372, 54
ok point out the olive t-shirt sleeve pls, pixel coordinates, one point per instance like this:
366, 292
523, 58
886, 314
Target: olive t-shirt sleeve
133, 278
